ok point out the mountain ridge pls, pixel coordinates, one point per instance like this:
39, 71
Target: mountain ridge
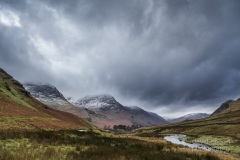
98, 101
102, 110
190, 116
225, 107
114, 110
48, 92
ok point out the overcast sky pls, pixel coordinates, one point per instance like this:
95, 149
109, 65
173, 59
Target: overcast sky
168, 56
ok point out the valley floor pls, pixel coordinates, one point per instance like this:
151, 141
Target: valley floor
95, 145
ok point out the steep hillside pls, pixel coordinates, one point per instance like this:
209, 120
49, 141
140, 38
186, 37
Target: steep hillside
44, 92
48, 95
19, 111
52, 97
227, 107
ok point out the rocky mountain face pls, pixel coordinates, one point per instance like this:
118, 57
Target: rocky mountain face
44, 92
52, 97
191, 116
99, 102
101, 110
105, 110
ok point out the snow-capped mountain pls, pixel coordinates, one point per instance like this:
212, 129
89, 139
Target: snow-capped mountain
111, 112
196, 115
98, 101
101, 110
51, 96
44, 92
191, 116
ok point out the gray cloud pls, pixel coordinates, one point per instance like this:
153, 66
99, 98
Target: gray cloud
157, 54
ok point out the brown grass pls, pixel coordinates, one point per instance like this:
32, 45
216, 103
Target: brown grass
14, 116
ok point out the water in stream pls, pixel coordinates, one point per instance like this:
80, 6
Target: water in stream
180, 139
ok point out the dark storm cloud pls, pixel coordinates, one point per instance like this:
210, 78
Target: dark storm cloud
156, 53
15, 52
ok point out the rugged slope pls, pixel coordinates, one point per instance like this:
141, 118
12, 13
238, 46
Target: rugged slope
44, 92
101, 110
228, 106
52, 97
191, 116
20, 111
48, 95
104, 110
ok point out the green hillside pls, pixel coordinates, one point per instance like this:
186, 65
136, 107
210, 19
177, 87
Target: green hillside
222, 126
20, 112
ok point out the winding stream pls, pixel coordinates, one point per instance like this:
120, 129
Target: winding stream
180, 139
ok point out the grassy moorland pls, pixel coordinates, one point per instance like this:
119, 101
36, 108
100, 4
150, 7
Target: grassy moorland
221, 130
31, 130
95, 146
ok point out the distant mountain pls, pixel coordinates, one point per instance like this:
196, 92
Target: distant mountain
105, 110
21, 112
52, 97
101, 110
44, 92
191, 116
99, 102
167, 118
224, 121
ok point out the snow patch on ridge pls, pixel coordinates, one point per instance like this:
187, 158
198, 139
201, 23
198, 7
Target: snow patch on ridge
45, 92
98, 101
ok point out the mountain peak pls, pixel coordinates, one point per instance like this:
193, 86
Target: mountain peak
194, 115
191, 116
227, 106
98, 101
44, 92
